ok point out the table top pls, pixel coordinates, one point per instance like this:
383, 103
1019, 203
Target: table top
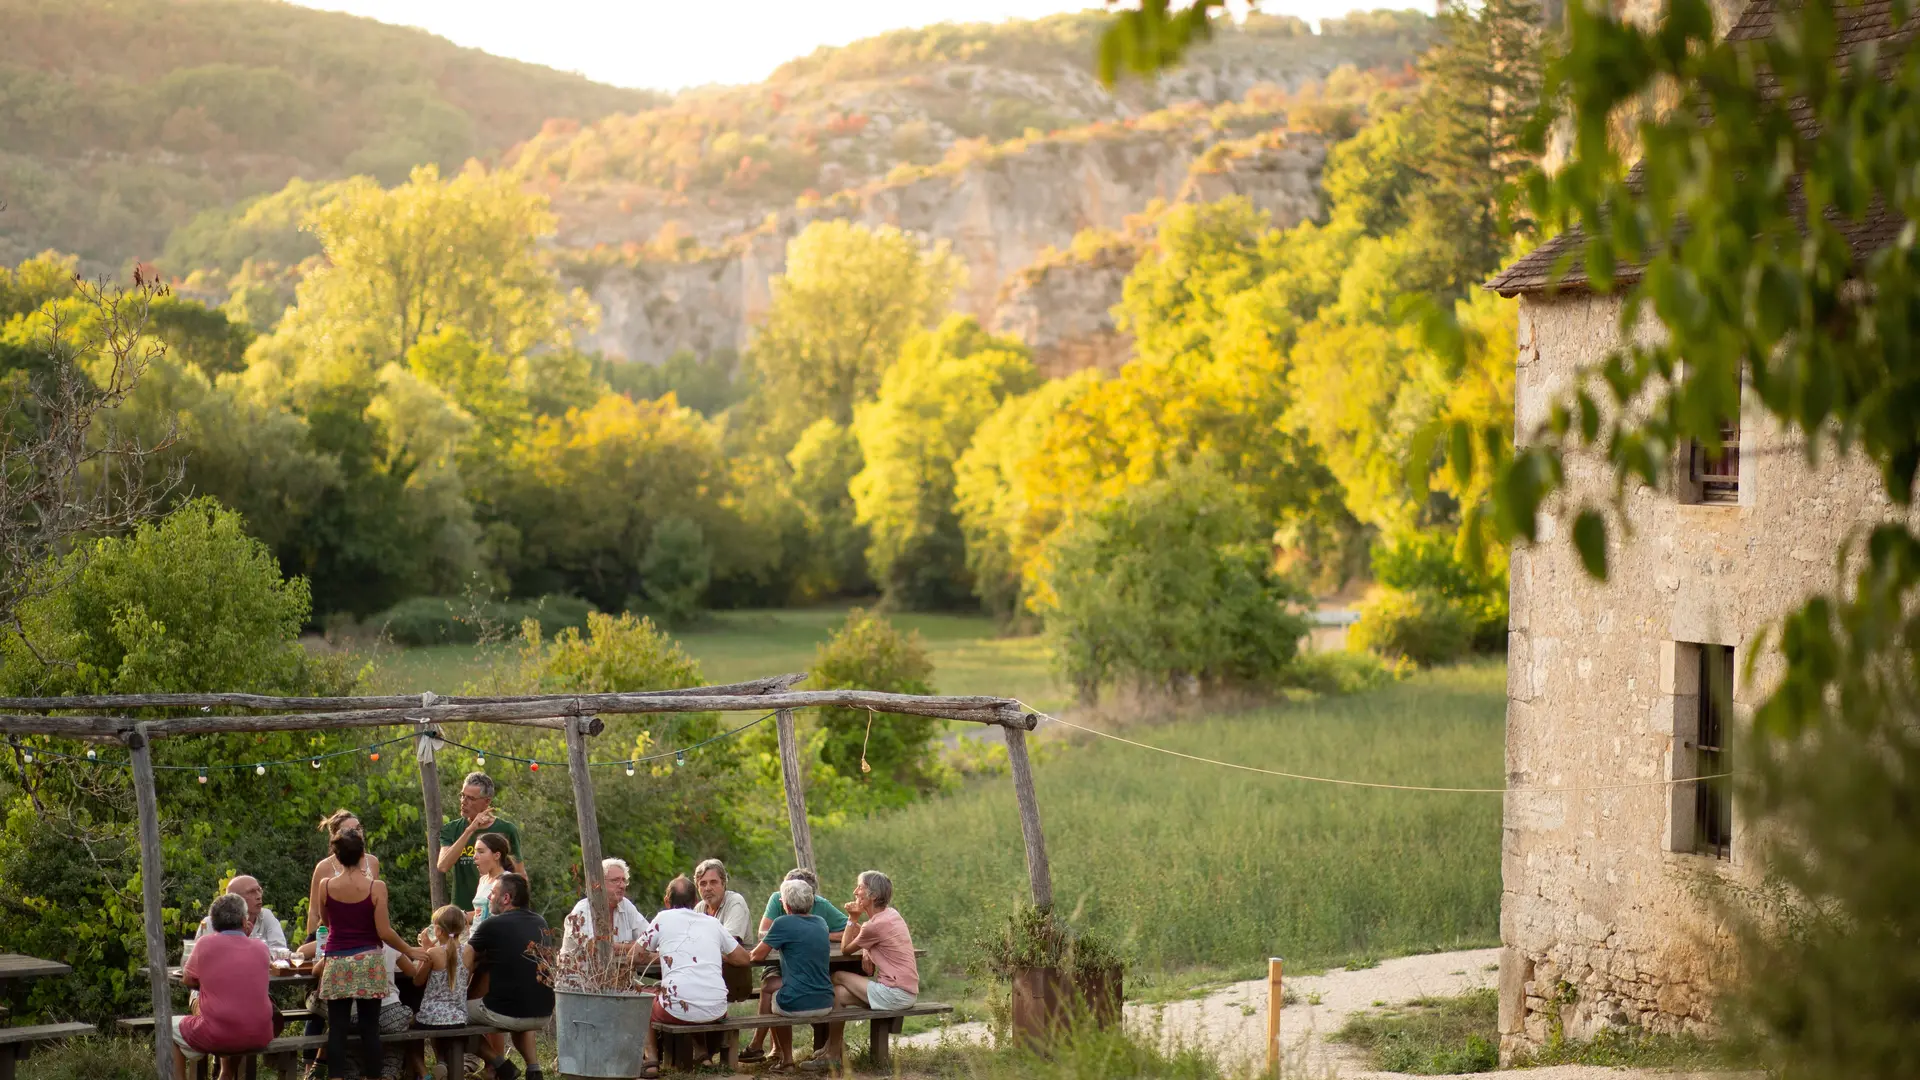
280, 976
18, 966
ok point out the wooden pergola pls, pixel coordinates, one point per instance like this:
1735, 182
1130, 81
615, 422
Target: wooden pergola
110, 719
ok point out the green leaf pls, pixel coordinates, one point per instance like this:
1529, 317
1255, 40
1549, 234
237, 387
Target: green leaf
1590, 539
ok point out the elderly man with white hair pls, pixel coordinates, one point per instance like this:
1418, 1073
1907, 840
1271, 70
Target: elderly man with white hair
262, 925
627, 921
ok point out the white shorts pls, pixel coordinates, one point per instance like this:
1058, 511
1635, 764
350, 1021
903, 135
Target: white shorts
180, 1041
884, 998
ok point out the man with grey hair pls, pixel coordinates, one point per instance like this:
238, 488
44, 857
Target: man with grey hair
456, 838
627, 921
231, 971
715, 900
889, 976
802, 989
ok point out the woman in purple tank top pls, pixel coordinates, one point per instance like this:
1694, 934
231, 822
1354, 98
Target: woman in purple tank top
354, 969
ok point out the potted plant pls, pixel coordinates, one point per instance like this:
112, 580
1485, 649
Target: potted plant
1055, 977
600, 1019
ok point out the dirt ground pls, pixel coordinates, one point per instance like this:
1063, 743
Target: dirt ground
1232, 1021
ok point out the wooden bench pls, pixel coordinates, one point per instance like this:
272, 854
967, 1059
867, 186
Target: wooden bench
138, 1025
17, 1042
282, 1055
676, 1040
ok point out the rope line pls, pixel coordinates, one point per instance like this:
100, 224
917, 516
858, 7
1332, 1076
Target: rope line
1363, 783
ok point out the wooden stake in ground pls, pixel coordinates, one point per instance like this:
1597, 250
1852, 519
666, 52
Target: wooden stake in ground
150, 874
1276, 996
795, 782
1039, 875
430, 806
588, 818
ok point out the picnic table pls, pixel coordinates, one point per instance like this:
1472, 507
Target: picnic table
287, 976
17, 1042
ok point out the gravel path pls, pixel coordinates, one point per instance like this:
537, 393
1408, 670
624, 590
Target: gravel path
1232, 1021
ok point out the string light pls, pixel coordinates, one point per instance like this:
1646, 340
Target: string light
480, 762
629, 768
259, 770
27, 755
533, 766
679, 758
92, 754
316, 763
375, 756
203, 776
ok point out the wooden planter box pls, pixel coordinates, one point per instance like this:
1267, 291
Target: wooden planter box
1099, 994
1042, 1005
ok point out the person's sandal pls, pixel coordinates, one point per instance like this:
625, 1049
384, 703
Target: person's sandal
649, 1070
752, 1054
783, 1067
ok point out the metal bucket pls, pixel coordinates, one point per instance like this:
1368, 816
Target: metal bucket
601, 1035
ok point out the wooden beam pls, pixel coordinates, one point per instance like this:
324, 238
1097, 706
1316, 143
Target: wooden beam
430, 808
1039, 875
794, 779
546, 712
772, 684
588, 820
151, 873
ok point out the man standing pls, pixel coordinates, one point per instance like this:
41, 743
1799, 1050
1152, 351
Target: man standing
516, 1000
262, 925
627, 922
456, 838
715, 900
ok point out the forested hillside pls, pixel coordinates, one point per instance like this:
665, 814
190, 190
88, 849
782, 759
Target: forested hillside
121, 120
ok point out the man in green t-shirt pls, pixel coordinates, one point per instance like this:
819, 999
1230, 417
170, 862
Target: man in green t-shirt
457, 836
836, 921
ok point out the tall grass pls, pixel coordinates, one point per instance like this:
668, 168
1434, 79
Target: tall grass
1189, 865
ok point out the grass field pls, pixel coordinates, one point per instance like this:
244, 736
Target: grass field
1189, 866
968, 655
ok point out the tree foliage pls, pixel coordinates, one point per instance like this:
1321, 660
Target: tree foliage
931, 401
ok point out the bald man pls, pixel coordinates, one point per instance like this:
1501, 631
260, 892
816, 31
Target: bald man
262, 924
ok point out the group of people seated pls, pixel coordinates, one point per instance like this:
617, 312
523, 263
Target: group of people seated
474, 965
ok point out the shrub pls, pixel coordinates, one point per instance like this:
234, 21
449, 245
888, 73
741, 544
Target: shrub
1344, 672
445, 620
1423, 627
1169, 581
620, 654
1430, 561
868, 653
676, 569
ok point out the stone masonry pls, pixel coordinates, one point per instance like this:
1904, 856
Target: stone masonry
1602, 916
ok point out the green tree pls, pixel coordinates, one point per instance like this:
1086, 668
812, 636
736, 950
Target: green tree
433, 254
848, 300
891, 755
945, 384
1169, 581
823, 464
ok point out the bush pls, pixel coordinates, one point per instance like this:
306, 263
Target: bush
868, 653
1169, 581
446, 620
1423, 627
676, 569
1344, 672
1430, 561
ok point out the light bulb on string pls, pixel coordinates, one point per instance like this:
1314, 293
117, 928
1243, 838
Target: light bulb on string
316, 763
92, 754
679, 758
480, 762
202, 777
259, 770
375, 756
533, 766
27, 756
629, 768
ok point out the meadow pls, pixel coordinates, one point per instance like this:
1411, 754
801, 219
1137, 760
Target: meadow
1196, 871
968, 653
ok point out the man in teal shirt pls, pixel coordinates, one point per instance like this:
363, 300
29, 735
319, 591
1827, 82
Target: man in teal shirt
457, 836
824, 910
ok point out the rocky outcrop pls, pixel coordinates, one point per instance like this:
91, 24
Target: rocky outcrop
1000, 213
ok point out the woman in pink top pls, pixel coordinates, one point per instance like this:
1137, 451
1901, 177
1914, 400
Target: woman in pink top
889, 977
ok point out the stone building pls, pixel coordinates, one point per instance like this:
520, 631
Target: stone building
1602, 916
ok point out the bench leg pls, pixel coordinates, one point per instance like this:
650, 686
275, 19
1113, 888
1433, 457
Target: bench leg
8, 1055
285, 1064
730, 1042
878, 1048
821, 1033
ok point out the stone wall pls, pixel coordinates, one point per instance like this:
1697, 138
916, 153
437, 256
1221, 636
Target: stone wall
1602, 915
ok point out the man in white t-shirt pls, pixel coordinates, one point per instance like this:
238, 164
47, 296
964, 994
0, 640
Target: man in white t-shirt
628, 923
692, 948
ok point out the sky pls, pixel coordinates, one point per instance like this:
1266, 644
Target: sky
672, 44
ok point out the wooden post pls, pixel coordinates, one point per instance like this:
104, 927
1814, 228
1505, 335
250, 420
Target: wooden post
1276, 995
795, 782
430, 806
589, 821
150, 899
1038, 872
